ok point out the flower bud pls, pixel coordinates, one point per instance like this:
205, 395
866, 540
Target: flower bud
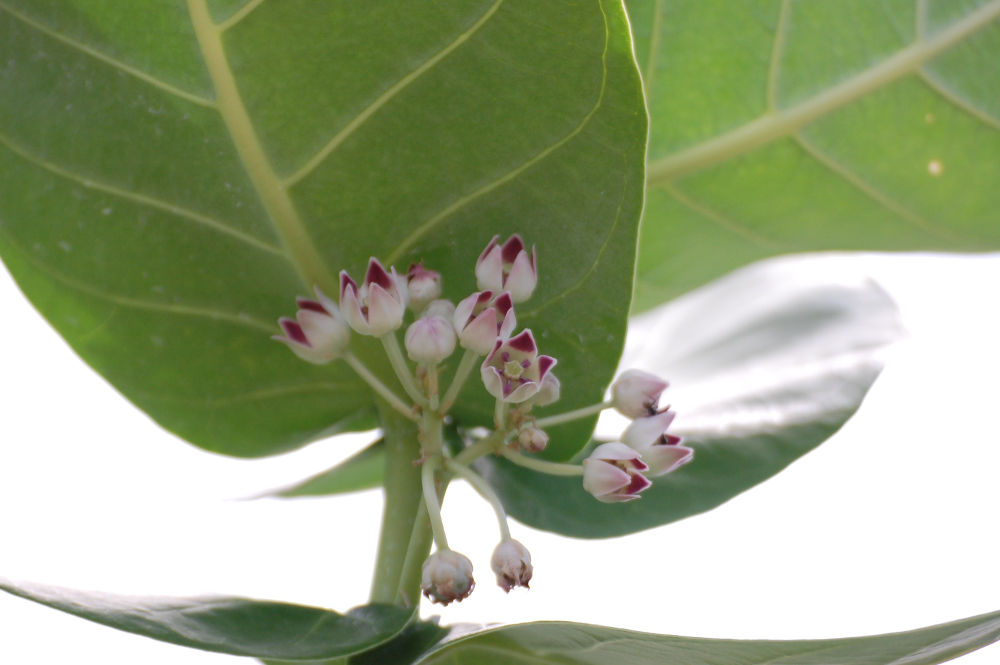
429, 340
532, 439
661, 451
317, 334
636, 393
423, 286
548, 393
447, 576
482, 318
377, 306
613, 473
512, 564
508, 267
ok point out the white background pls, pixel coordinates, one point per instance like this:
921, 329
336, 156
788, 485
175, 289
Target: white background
890, 525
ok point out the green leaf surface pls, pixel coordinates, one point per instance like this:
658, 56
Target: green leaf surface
754, 390
581, 644
238, 626
359, 472
173, 174
780, 126
412, 642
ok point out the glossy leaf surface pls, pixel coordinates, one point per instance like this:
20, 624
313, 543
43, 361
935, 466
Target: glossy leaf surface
580, 644
175, 173
780, 126
764, 364
238, 626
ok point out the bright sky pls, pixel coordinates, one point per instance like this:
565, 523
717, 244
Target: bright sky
890, 525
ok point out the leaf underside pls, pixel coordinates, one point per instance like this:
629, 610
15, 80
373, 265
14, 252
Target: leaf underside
780, 126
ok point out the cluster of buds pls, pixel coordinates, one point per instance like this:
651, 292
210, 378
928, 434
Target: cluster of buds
619, 470
511, 369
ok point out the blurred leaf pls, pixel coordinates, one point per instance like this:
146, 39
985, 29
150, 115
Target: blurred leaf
781, 126
413, 641
238, 626
359, 472
765, 364
174, 174
581, 644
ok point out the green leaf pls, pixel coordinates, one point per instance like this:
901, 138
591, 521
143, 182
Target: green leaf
173, 174
238, 626
359, 472
581, 644
754, 390
780, 126
412, 642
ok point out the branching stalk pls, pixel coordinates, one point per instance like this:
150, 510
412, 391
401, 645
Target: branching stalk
465, 367
542, 466
570, 416
402, 370
432, 503
384, 391
485, 490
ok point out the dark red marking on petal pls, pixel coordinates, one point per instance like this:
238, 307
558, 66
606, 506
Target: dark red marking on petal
511, 249
672, 440
347, 283
491, 245
294, 331
378, 275
637, 483
504, 304
523, 342
312, 305
545, 363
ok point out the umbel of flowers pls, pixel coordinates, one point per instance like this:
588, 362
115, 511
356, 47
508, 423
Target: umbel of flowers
483, 325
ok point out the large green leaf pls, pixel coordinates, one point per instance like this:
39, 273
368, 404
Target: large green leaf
756, 384
580, 644
239, 626
175, 173
780, 126
362, 471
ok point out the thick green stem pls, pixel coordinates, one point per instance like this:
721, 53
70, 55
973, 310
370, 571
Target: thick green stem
402, 500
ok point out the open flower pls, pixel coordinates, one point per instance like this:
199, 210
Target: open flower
511, 562
636, 393
316, 334
423, 286
614, 473
447, 576
508, 267
514, 371
661, 451
482, 318
377, 306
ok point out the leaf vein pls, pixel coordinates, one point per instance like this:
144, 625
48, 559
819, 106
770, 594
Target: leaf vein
425, 227
108, 60
654, 47
957, 100
774, 125
777, 50
141, 199
138, 303
723, 221
844, 172
310, 165
239, 15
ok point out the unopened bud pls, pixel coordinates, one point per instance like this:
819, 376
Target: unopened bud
636, 393
447, 576
430, 339
533, 439
512, 564
424, 286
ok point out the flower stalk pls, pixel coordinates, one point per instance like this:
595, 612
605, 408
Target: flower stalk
570, 416
383, 390
402, 370
485, 491
541, 465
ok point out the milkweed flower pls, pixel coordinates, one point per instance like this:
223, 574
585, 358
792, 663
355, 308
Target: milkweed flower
482, 318
613, 473
430, 339
508, 267
660, 450
423, 286
377, 306
636, 393
511, 562
447, 576
514, 371
317, 334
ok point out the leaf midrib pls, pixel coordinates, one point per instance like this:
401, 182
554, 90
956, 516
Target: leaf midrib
781, 123
279, 206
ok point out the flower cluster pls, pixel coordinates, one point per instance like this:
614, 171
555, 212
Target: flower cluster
512, 370
617, 471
